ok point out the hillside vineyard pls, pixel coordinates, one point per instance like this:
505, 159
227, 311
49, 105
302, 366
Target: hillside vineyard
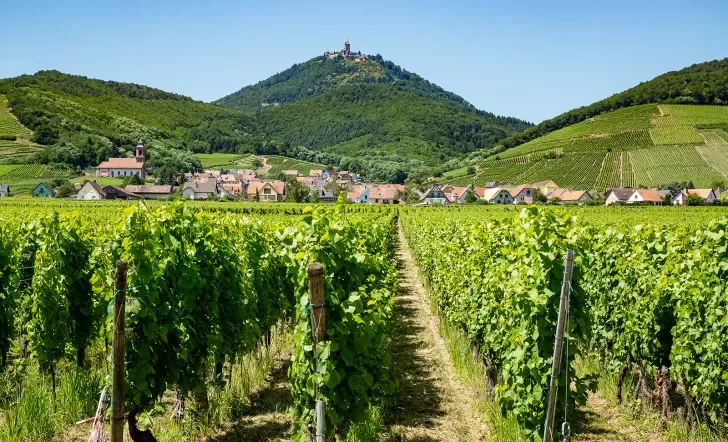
207, 285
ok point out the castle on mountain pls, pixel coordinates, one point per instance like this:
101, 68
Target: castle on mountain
346, 53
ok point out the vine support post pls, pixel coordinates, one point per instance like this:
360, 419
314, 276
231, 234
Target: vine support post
318, 329
118, 353
548, 431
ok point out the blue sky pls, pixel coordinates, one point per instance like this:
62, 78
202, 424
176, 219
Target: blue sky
528, 59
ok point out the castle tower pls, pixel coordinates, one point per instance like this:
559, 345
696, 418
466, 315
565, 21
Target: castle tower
140, 151
347, 48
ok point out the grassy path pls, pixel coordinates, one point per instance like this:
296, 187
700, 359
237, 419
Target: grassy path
431, 403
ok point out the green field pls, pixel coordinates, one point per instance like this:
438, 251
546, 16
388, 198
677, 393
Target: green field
24, 178
225, 160
279, 164
646, 145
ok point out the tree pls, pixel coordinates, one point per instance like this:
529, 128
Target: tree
718, 184
471, 170
694, 200
65, 190
256, 164
297, 191
538, 196
471, 197
408, 196
133, 180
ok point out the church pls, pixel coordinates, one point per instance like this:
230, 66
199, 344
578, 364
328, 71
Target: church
121, 167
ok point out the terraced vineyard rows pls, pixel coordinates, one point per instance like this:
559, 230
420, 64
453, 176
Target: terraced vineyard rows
715, 150
24, 178
610, 175
9, 125
576, 170
675, 135
279, 164
653, 167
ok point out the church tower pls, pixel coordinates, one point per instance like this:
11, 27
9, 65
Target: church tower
347, 48
140, 151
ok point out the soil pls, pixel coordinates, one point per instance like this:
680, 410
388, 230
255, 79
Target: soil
264, 168
431, 404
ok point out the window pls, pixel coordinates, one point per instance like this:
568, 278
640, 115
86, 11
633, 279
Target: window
266, 191
112, 174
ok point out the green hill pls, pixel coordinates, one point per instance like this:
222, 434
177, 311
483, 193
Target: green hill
646, 145
369, 116
86, 120
317, 76
703, 83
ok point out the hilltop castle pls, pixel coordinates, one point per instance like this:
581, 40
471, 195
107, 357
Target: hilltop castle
346, 53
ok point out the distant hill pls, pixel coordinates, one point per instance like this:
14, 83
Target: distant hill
646, 145
369, 116
317, 76
703, 83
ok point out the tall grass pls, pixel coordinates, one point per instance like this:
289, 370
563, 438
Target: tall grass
30, 412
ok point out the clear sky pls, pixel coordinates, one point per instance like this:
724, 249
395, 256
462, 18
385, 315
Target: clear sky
528, 59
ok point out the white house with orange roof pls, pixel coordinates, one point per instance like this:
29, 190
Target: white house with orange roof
708, 196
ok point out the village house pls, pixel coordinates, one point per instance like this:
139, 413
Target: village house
545, 186
121, 167
113, 192
228, 178
316, 173
270, 190
574, 197
522, 194
344, 175
708, 196
247, 175
434, 195
91, 191
4, 190
201, 190
458, 194
324, 195
150, 192
497, 195
213, 173
44, 190
645, 196
236, 190
382, 195
360, 195
618, 195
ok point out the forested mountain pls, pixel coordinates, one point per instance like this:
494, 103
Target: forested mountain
369, 116
316, 76
703, 83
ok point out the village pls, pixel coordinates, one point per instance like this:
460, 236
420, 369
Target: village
329, 185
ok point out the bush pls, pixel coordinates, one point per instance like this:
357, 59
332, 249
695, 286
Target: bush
694, 200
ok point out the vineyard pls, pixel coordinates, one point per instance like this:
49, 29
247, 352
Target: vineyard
216, 292
647, 134
9, 125
279, 164
225, 161
23, 178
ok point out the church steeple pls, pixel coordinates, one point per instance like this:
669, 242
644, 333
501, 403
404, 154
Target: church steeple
140, 151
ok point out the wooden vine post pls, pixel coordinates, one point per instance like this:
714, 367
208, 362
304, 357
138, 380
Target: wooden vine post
118, 354
318, 329
558, 346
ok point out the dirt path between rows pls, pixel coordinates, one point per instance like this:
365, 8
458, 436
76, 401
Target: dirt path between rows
431, 403
262, 170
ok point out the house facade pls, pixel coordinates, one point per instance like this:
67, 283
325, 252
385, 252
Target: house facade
113, 192
121, 167
522, 194
618, 195
645, 196
200, 190
575, 197
44, 190
708, 196
4, 190
434, 195
273, 190
150, 192
497, 195
91, 191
